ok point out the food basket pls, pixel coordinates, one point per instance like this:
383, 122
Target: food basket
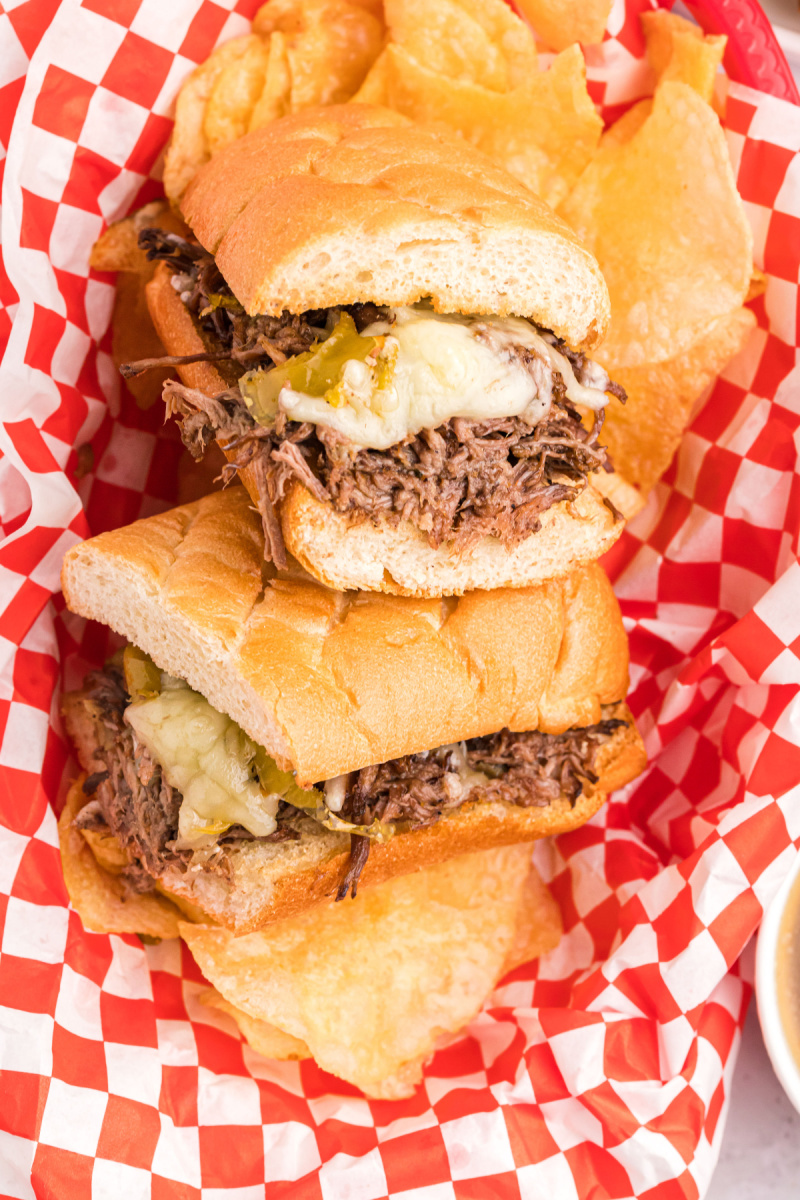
604, 1069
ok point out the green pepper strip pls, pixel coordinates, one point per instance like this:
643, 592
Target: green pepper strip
315, 372
142, 676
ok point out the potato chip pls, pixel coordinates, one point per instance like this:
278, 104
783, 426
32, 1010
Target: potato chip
99, 897
758, 284
133, 335
117, 249
559, 23
537, 926
188, 149
330, 46
696, 61
288, 16
293, 16
627, 125
679, 50
533, 937
509, 33
374, 88
330, 61
659, 30
375, 7
234, 94
662, 215
275, 97
107, 851
643, 435
476, 41
371, 985
444, 37
544, 132
264, 1038
626, 498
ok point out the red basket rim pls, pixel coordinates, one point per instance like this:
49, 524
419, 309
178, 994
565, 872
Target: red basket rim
753, 55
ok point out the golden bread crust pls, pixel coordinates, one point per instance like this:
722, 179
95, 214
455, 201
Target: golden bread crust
354, 203
180, 333
329, 682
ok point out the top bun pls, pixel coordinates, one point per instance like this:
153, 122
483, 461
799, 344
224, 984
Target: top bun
330, 682
356, 203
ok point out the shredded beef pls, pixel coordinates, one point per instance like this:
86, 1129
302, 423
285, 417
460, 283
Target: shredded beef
92, 782
359, 853
211, 302
457, 483
467, 479
526, 769
132, 798
231, 333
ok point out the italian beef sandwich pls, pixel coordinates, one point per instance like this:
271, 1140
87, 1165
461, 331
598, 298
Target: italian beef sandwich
264, 743
388, 336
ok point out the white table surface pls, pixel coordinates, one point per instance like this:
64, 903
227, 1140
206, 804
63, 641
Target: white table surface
760, 1156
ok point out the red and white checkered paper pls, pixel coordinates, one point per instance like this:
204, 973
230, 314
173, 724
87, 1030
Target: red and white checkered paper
602, 1071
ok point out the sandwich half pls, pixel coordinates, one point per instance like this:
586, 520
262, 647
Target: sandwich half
265, 743
388, 336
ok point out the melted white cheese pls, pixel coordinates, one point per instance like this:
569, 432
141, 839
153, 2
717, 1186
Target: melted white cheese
443, 366
335, 792
504, 333
207, 757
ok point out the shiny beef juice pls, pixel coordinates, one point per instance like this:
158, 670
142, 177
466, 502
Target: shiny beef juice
787, 971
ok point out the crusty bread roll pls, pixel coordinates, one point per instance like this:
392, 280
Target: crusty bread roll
347, 553
330, 682
270, 881
356, 203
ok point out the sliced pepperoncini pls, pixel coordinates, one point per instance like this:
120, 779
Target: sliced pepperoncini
312, 801
378, 831
217, 300
315, 372
282, 783
142, 676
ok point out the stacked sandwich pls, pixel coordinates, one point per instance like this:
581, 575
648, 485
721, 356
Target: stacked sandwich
392, 650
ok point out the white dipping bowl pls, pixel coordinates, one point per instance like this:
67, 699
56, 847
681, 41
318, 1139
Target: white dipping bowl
778, 1047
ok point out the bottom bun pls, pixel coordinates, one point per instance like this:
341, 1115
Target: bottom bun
270, 883
398, 559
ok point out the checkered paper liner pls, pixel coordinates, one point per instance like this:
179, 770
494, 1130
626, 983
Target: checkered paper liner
602, 1071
